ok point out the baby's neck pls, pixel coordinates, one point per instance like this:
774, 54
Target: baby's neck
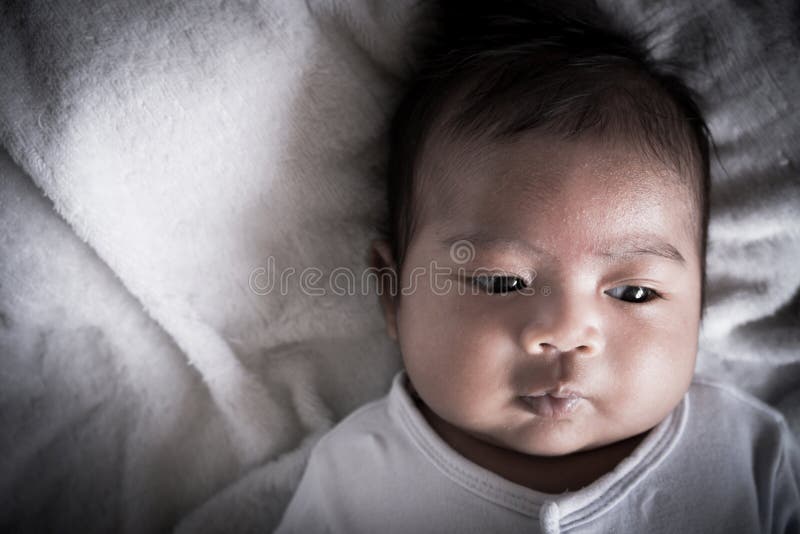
542, 473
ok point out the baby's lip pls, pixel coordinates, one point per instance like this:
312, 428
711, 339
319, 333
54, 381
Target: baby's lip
552, 407
561, 391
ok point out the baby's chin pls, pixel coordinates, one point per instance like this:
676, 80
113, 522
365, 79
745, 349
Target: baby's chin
554, 441
551, 443
555, 444
546, 449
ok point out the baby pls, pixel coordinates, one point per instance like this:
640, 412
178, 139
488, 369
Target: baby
548, 193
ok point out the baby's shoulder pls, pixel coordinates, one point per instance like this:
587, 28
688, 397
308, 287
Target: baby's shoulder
348, 468
369, 419
366, 436
711, 394
736, 413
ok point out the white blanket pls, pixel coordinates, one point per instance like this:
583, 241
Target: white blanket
160, 158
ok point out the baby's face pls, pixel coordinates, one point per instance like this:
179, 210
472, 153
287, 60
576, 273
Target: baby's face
594, 224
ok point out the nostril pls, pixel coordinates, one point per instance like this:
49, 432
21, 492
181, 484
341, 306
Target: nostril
547, 347
534, 343
550, 348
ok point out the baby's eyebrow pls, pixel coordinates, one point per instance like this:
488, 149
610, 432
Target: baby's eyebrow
633, 244
643, 243
483, 239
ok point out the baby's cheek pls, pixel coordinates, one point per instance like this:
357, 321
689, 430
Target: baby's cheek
426, 331
651, 374
438, 328
454, 350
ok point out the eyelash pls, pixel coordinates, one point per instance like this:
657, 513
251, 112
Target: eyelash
521, 284
476, 282
647, 290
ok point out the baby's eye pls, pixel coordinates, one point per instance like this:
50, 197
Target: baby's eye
634, 294
499, 284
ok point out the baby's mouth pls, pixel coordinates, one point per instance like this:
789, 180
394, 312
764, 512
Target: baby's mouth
552, 405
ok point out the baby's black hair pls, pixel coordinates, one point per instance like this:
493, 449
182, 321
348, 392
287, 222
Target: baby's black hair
496, 69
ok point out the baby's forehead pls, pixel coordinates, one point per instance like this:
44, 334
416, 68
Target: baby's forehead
536, 161
491, 181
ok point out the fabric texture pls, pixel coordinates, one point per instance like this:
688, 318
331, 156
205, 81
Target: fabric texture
384, 469
155, 156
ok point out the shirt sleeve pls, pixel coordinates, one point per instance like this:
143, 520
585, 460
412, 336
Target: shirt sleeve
306, 512
786, 513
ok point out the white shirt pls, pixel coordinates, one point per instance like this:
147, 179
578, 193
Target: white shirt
721, 461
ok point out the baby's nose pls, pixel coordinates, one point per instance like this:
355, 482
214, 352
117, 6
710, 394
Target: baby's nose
560, 329
543, 347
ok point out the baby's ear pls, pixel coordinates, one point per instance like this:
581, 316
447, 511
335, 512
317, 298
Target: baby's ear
382, 261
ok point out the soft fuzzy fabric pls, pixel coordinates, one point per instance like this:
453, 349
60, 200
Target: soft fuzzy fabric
157, 155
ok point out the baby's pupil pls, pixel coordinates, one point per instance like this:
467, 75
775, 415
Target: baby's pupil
637, 293
504, 284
